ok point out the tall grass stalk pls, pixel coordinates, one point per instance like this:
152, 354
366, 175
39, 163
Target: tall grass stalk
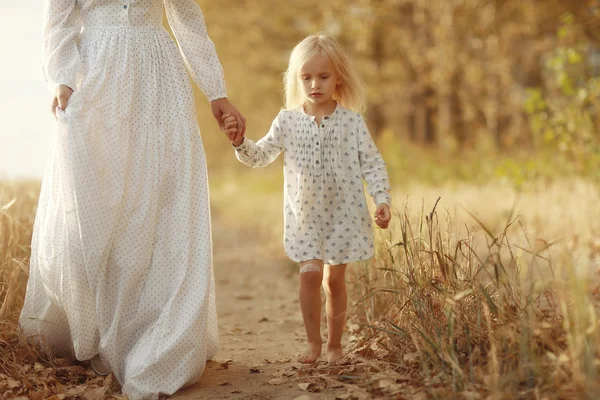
477, 311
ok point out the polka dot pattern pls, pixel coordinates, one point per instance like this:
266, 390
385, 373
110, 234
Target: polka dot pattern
121, 260
325, 210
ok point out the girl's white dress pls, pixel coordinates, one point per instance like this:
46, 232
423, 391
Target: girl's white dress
121, 260
325, 210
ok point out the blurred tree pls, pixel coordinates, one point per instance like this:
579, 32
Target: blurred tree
452, 73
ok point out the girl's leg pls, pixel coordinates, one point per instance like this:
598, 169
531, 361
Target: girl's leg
311, 276
334, 283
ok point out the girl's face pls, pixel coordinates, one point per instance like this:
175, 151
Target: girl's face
318, 80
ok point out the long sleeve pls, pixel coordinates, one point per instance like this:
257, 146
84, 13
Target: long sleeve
198, 51
266, 150
60, 54
372, 166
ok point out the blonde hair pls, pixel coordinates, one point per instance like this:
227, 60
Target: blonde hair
350, 93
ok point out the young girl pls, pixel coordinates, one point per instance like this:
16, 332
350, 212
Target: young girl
327, 149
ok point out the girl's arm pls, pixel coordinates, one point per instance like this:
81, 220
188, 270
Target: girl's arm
266, 150
60, 54
372, 166
198, 51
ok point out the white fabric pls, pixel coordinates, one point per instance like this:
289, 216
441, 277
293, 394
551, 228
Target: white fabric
121, 261
304, 268
325, 210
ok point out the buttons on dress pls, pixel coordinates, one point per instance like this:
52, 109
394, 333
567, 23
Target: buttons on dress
125, 6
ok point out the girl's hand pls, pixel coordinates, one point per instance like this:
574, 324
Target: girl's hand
61, 98
231, 129
383, 216
223, 106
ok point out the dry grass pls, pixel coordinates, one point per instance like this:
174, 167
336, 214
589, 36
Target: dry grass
18, 202
471, 309
489, 293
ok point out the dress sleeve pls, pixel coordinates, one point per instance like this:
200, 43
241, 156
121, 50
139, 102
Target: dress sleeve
198, 51
266, 150
372, 166
60, 52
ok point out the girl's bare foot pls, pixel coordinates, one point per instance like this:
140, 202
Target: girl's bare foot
311, 354
334, 354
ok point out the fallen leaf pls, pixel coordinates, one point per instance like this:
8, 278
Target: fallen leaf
277, 381
225, 384
263, 319
39, 395
109, 380
236, 391
224, 365
10, 384
384, 383
254, 370
305, 386
97, 393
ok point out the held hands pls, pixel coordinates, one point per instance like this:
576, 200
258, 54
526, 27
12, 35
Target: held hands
383, 216
61, 98
231, 129
222, 106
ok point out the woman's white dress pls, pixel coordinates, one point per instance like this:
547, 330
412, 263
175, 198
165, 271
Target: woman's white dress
121, 260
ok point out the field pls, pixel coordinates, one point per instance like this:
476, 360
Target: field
477, 291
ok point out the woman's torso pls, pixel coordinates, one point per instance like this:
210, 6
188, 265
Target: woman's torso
121, 13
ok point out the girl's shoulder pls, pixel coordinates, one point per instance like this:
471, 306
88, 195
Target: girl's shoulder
348, 115
287, 117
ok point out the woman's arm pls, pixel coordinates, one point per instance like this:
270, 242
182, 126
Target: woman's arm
60, 54
200, 56
198, 51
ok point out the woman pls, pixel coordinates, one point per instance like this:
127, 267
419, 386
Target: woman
121, 263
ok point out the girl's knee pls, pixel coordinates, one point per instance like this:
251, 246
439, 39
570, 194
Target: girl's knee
311, 280
311, 275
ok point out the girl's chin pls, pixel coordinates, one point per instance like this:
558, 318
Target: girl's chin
317, 100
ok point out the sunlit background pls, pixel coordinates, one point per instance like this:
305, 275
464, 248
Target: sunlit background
491, 105
509, 87
24, 100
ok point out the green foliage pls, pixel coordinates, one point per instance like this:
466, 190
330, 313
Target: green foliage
564, 114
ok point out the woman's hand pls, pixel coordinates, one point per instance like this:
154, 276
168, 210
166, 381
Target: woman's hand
230, 127
223, 106
383, 215
61, 98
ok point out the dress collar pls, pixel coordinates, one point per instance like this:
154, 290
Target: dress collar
325, 117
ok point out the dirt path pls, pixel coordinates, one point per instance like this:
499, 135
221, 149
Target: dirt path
261, 328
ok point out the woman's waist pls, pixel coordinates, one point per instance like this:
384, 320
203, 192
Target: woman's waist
123, 29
